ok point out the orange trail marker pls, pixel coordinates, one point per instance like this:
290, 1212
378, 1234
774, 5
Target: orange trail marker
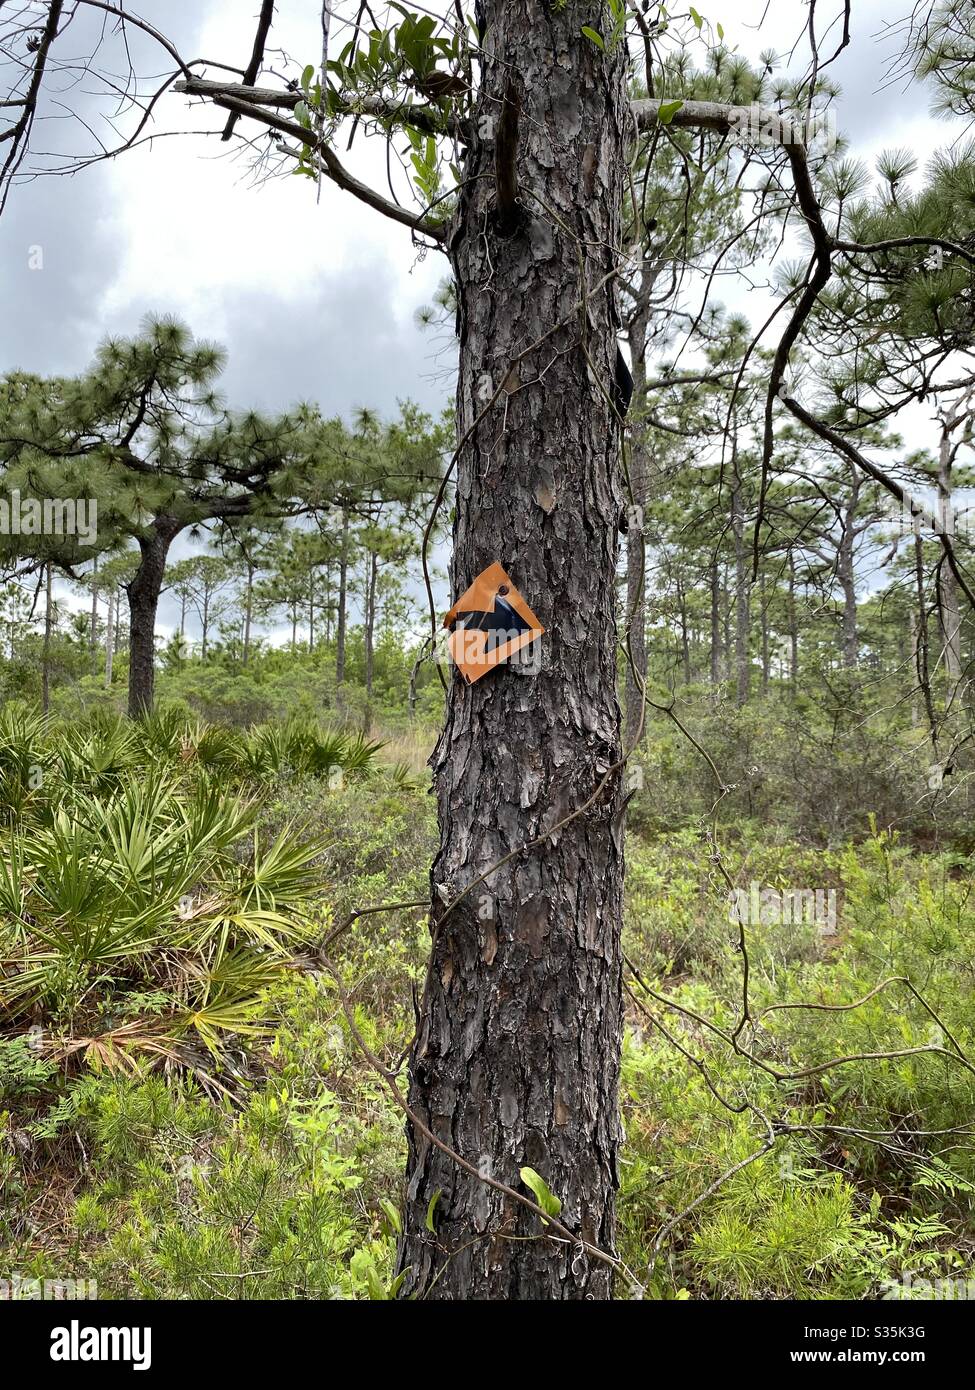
488, 624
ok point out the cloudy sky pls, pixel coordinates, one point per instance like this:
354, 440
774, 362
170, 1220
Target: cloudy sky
315, 299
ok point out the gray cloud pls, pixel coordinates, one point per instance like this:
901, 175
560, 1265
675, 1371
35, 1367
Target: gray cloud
50, 321
339, 346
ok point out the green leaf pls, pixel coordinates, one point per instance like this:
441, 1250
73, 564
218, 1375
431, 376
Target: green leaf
425, 28
545, 1197
302, 115
431, 1209
696, 17
392, 1215
668, 110
307, 76
720, 31
594, 37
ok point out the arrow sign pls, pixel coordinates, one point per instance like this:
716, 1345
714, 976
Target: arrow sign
488, 624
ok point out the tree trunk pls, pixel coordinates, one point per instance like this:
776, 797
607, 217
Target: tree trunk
144, 591
182, 629
110, 637
685, 649
248, 612
949, 614
516, 1060
921, 649
850, 640
793, 629
48, 623
411, 690
743, 665
636, 594
715, 624
93, 628
343, 605
636, 580
370, 631
907, 658
849, 587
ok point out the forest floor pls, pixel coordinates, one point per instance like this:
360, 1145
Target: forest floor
185, 1112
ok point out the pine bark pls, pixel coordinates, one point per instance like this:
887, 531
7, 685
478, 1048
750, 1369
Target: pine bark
205, 621
516, 1060
846, 573
743, 619
949, 615
636, 579
48, 625
93, 625
793, 628
343, 606
715, 584
369, 632
248, 612
110, 637
144, 591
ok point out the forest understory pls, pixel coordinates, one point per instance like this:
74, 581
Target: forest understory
187, 1108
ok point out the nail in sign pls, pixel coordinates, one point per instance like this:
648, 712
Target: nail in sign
488, 624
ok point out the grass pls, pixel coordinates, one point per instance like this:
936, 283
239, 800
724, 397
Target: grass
184, 1113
